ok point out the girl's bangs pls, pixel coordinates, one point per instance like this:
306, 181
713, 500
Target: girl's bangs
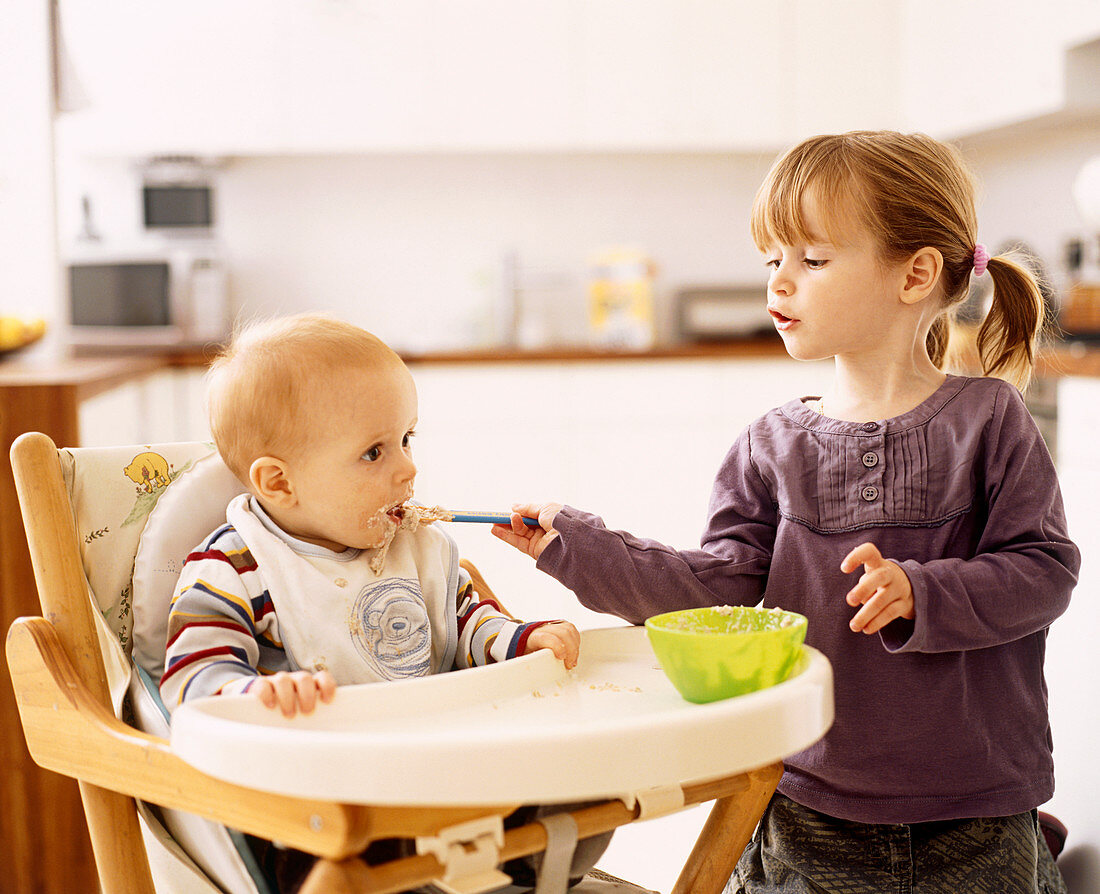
778, 213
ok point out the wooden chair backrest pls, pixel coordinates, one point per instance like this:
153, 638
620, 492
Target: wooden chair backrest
63, 592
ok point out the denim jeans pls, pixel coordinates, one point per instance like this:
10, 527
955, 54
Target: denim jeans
796, 850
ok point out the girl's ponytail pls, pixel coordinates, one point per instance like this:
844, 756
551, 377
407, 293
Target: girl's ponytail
939, 336
1012, 325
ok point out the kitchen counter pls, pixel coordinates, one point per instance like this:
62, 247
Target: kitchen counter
1061, 359
1070, 359
764, 346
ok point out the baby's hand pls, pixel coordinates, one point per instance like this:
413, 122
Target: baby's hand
294, 691
525, 538
883, 589
560, 637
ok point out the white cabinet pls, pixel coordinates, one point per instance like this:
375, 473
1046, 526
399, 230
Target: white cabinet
162, 407
287, 76
699, 74
981, 65
29, 282
636, 441
315, 76
1073, 662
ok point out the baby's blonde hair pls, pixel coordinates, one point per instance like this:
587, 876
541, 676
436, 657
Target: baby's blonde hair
910, 192
260, 389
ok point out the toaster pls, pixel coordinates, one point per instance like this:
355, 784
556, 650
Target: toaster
722, 312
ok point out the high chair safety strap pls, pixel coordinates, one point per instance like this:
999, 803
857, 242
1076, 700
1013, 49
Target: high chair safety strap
557, 859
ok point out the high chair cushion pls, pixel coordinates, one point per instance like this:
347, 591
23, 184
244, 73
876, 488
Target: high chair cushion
218, 852
131, 552
113, 491
187, 512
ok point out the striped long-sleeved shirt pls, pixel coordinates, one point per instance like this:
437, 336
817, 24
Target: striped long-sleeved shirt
233, 619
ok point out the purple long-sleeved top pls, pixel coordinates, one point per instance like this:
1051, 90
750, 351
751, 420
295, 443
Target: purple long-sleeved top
938, 718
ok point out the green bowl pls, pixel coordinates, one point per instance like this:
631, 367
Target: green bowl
715, 653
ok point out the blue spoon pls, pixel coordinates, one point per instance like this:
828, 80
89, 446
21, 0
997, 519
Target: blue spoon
488, 518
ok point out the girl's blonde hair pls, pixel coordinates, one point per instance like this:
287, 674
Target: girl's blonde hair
911, 192
262, 388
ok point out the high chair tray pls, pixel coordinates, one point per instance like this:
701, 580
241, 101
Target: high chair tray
522, 731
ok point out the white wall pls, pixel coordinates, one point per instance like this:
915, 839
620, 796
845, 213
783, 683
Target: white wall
1025, 189
28, 250
1073, 661
411, 246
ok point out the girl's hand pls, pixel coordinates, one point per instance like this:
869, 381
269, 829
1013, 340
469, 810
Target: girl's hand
561, 638
883, 589
528, 539
294, 691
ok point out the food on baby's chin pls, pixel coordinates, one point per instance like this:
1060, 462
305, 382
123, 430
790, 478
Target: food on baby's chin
406, 517
413, 516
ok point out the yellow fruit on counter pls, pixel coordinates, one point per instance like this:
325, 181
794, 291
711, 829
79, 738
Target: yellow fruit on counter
15, 332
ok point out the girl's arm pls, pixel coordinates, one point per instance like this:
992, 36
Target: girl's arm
1024, 566
634, 578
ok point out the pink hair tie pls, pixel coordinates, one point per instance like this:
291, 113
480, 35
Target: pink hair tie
981, 259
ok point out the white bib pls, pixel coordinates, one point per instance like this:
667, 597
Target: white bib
338, 615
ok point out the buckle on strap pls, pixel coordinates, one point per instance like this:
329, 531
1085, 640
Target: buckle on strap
469, 853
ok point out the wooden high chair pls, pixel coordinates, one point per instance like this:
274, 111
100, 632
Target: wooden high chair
69, 669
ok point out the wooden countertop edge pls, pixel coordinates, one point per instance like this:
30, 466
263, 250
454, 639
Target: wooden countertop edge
1075, 359
756, 347
93, 374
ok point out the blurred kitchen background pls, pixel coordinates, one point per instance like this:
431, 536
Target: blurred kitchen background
544, 207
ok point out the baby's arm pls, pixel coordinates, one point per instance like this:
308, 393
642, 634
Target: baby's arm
293, 691
212, 638
560, 637
222, 627
214, 642
487, 634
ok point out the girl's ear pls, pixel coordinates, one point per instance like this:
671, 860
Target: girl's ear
270, 481
922, 274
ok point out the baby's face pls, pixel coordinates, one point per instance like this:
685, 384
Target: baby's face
358, 463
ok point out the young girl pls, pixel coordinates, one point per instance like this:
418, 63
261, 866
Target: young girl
938, 486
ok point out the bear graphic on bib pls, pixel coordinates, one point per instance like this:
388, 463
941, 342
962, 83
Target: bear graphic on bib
390, 628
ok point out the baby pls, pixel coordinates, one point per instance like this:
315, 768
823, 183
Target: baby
323, 574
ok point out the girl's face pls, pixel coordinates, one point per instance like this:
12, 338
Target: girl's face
358, 465
830, 299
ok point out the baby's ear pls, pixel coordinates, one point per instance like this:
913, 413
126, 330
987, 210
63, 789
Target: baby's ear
270, 481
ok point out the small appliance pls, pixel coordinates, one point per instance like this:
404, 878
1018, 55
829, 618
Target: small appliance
722, 312
168, 297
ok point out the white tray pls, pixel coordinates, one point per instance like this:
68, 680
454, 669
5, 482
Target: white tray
524, 731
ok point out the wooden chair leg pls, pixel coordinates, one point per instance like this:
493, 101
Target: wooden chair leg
341, 877
119, 849
726, 833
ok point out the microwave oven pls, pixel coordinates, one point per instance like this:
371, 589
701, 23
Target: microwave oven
147, 299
